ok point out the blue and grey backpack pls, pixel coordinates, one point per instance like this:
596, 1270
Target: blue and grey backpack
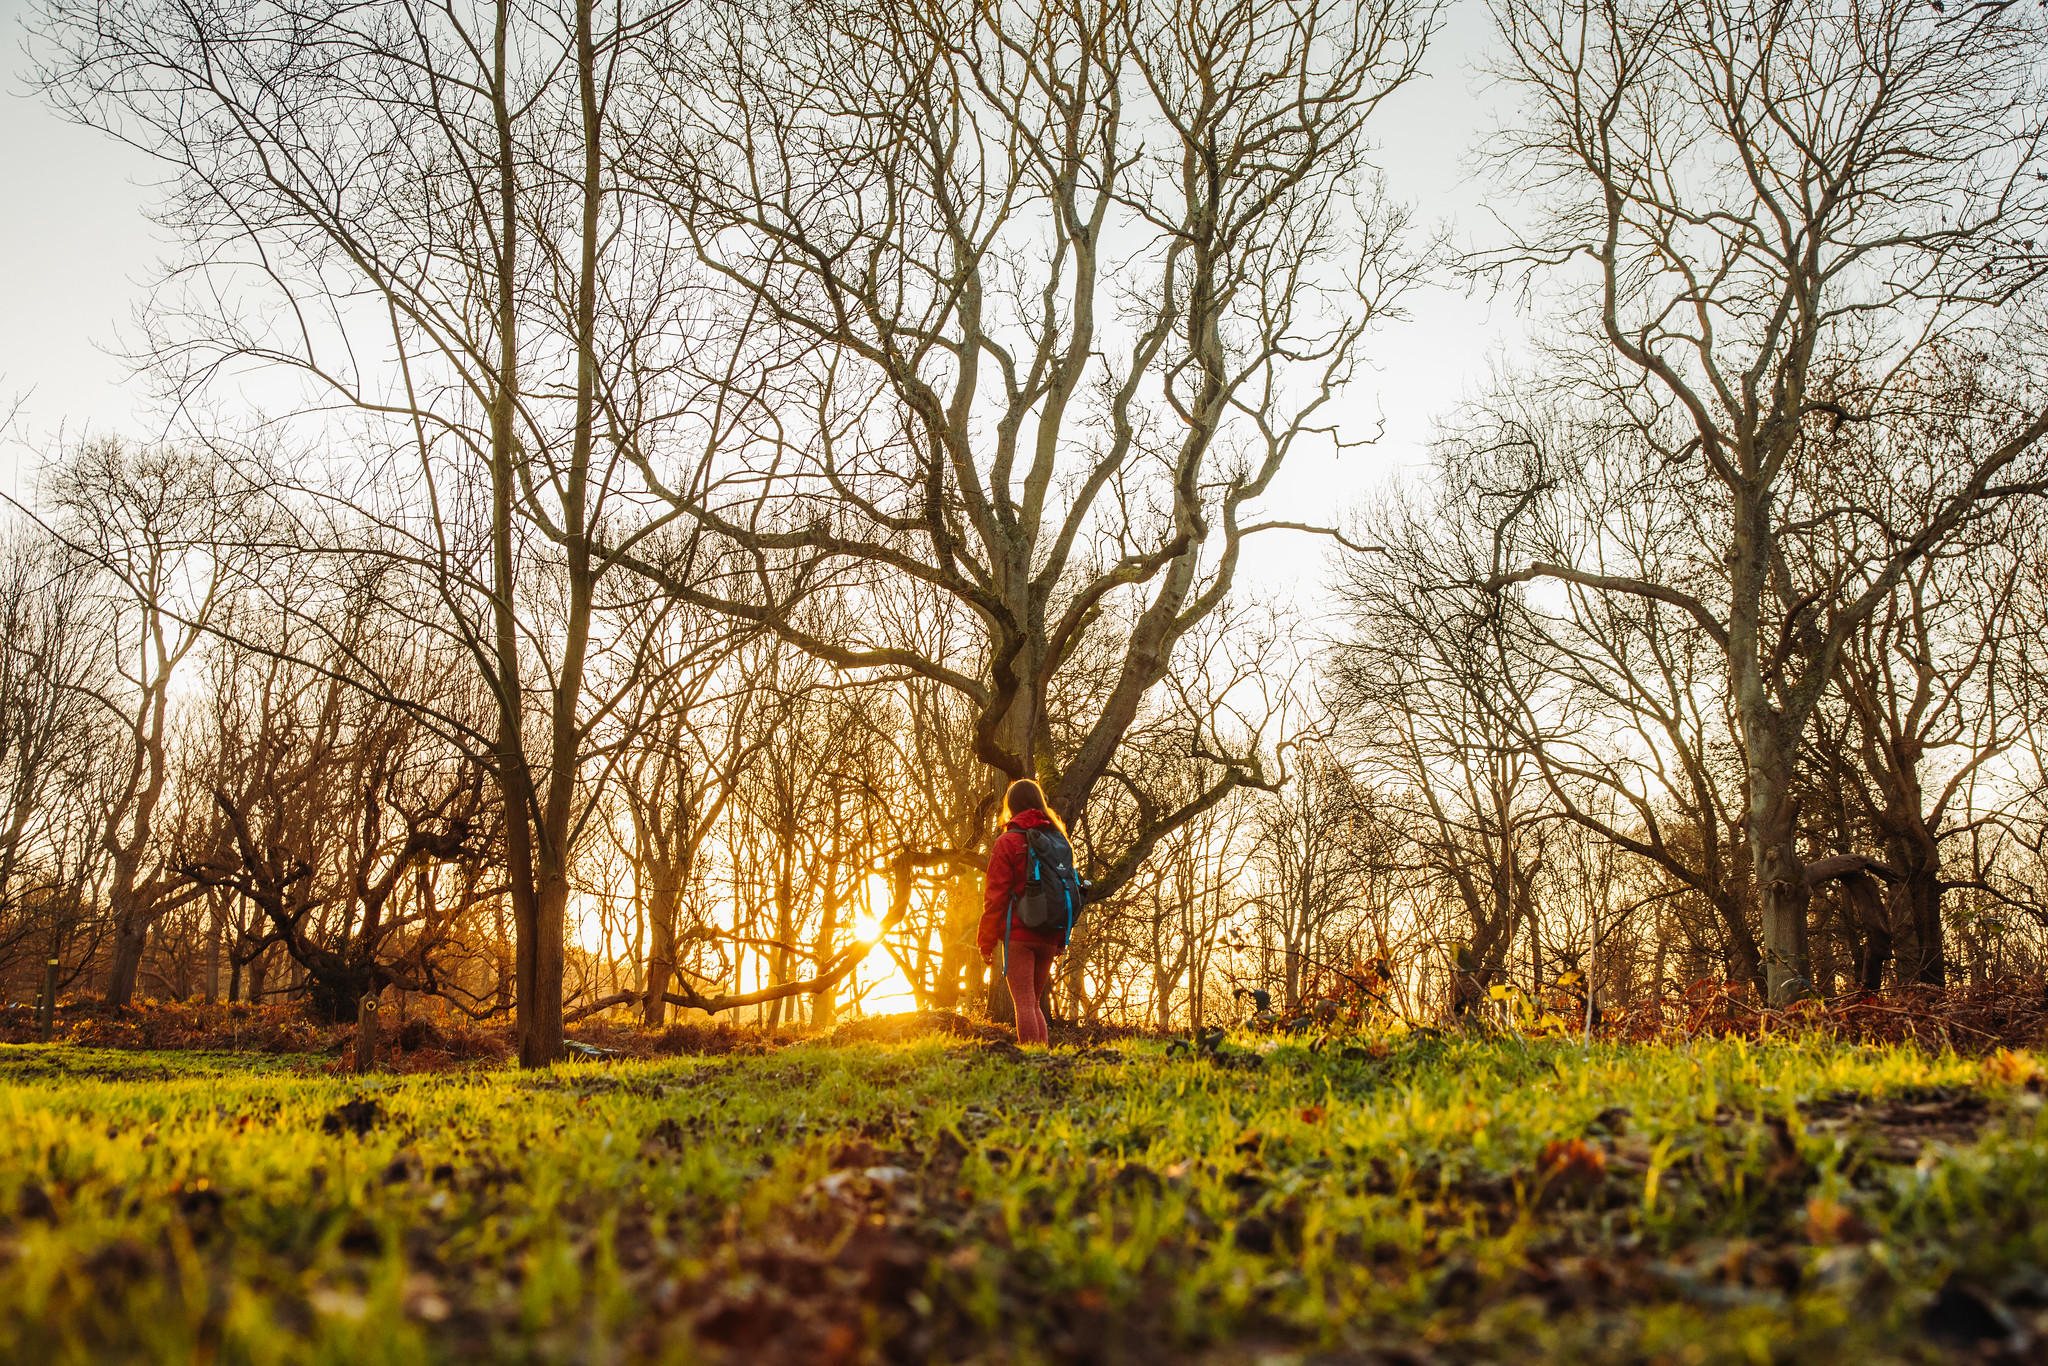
1050, 898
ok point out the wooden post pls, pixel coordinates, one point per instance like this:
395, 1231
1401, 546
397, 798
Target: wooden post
46, 1011
366, 1033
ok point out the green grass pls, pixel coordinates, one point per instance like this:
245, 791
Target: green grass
921, 1202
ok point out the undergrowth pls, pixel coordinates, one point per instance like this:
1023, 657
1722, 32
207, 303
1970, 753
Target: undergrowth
1424, 1199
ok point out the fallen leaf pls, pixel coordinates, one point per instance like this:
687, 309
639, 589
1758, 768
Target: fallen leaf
1829, 1222
842, 1340
2009, 1068
1572, 1165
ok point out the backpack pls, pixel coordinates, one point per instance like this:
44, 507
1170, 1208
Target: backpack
1051, 895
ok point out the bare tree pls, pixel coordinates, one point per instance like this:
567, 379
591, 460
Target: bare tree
1427, 689
1027, 305
1780, 210
51, 665
1619, 699
695, 724
157, 525
333, 809
1313, 842
1937, 685
446, 161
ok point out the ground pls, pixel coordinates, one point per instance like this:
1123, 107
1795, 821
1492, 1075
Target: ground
1409, 1199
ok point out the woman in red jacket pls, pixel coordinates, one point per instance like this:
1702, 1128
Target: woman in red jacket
1028, 955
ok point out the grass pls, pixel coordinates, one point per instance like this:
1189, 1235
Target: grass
1419, 1200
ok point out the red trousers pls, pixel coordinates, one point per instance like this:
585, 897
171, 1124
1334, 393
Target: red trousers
1028, 968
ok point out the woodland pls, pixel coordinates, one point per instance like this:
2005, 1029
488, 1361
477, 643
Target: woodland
647, 475
633, 482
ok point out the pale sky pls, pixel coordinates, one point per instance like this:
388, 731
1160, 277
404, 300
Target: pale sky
79, 250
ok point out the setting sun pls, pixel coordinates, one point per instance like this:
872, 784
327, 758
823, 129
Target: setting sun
878, 982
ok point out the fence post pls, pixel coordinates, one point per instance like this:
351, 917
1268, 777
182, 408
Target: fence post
366, 1033
46, 1011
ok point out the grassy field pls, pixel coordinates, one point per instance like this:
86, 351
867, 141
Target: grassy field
1408, 1200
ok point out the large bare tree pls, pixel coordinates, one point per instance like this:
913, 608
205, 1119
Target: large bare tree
403, 204
1766, 215
1027, 304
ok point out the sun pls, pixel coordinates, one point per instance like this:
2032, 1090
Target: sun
888, 990
879, 979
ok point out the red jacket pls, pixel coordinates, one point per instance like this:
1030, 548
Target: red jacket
1009, 867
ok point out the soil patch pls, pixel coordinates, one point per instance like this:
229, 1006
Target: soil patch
1901, 1128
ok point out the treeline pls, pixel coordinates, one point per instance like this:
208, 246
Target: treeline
234, 775
648, 475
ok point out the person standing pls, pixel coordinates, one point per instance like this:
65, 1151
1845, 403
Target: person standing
1030, 858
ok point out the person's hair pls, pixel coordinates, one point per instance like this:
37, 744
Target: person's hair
1025, 795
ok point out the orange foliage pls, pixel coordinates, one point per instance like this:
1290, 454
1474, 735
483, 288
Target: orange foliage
2006, 1014
1572, 1165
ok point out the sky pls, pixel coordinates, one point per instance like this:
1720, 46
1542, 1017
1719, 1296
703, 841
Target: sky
79, 250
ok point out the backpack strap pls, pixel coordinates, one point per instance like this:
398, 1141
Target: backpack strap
1010, 910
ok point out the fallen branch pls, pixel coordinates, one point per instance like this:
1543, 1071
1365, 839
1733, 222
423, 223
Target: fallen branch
842, 963
621, 998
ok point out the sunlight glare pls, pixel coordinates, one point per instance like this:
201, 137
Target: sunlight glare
890, 990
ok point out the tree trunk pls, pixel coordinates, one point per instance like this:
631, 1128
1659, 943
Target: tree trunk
525, 912
957, 959
515, 779
785, 926
1771, 826
955, 963
1745, 961
1001, 1008
124, 967
1663, 947
824, 1003
662, 907
1867, 912
541, 1038
1915, 921
502, 994
213, 958
1780, 876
